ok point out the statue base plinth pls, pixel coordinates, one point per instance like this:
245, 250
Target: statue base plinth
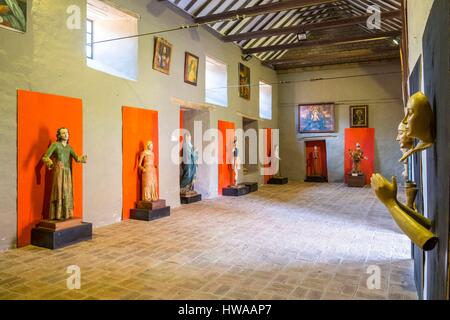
151, 205
150, 214
190, 198
278, 180
235, 191
252, 186
358, 181
316, 179
59, 224
54, 234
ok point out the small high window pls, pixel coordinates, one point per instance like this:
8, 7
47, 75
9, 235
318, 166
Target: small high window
105, 23
265, 100
216, 91
89, 38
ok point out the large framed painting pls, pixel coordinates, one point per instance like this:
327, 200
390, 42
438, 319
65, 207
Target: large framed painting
13, 15
190, 68
244, 81
359, 116
162, 55
316, 118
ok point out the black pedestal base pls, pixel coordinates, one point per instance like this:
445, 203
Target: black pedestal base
149, 215
252, 186
316, 179
235, 191
55, 239
278, 180
190, 199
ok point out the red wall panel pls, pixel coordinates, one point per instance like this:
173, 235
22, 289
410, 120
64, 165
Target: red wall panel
323, 157
366, 138
138, 126
226, 177
39, 115
268, 153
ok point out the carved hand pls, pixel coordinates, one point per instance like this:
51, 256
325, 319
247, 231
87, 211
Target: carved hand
82, 159
385, 191
48, 162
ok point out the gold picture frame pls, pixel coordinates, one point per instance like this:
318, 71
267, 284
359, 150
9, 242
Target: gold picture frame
244, 81
191, 68
162, 56
359, 116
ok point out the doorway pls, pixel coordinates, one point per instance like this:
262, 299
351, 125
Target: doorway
316, 161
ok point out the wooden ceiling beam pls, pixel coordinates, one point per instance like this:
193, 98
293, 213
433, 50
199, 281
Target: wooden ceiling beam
319, 63
356, 53
188, 17
261, 9
308, 27
323, 42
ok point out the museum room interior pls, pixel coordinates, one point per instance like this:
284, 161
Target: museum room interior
224, 149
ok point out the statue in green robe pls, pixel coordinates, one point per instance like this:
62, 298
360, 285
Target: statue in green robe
61, 199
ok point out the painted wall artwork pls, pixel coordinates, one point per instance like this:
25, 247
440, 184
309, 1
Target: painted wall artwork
244, 81
190, 68
359, 116
316, 118
13, 15
162, 55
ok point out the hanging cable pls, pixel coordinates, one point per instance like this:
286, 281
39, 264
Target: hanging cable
282, 82
182, 27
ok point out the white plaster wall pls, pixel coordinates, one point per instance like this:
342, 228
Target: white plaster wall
352, 85
50, 58
418, 12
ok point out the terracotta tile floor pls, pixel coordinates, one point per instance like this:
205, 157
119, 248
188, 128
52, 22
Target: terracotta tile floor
297, 241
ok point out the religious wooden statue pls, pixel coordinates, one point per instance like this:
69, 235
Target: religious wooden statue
316, 163
357, 156
149, 176
61, 198
188, 166
236, 165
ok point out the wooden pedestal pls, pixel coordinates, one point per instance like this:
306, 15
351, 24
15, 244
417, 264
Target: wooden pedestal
356, 181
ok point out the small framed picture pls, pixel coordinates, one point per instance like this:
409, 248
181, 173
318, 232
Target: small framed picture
244, 81
190, 68
162, 55
359, 116
13, 15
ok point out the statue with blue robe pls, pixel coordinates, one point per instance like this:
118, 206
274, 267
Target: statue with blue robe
188, 166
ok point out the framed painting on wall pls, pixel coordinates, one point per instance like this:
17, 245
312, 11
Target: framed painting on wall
190, 68
359, 116
13, 15
162, 55
244, 81
316, 118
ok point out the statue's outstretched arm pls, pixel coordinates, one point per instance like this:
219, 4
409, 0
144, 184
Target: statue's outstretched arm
77, 158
